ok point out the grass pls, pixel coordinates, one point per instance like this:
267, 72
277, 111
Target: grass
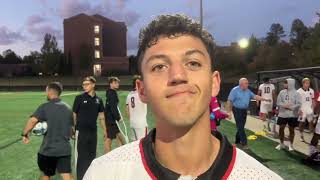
18, 161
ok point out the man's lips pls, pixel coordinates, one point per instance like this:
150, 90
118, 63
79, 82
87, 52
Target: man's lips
181, 91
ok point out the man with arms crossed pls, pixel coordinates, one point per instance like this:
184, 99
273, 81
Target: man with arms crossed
307, 106
267, 91
55, 150
175, 60
86, 109
238, 101
137, 113
288, 102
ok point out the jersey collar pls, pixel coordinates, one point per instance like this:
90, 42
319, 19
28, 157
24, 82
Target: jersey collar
220, 169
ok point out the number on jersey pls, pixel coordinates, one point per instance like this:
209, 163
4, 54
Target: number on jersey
132, 102
267, 90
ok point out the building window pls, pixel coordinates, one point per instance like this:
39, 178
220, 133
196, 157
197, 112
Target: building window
97, 54
97, 70
96, 29
97, 41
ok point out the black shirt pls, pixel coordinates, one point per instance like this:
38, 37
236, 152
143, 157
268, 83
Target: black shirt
112, 112
87, 109
58, 115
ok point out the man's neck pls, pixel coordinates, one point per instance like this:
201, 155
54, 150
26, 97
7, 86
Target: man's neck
305, 88
91, 93
186, 151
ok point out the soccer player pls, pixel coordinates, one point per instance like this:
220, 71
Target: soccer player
238, 101
137, 113
307, 106
267, 91
55, 150
87, 108
175, 60
288, 102
112, 115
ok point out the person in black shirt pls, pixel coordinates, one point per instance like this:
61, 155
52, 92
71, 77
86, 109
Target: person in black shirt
86, 108
112, 115
55, 150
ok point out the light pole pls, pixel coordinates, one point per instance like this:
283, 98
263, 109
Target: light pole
201, 14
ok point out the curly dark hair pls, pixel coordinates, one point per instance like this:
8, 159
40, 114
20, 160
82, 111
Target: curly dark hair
172, 26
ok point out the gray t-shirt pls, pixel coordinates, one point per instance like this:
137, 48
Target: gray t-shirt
58, 115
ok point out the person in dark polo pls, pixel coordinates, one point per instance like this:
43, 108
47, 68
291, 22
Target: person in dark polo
87, 108
55, 150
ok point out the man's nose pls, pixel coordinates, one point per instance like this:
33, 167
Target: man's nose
177, 74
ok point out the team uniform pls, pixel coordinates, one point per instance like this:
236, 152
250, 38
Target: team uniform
55, 150
87, 109
266, 92
307, 97
137, 160
138, 116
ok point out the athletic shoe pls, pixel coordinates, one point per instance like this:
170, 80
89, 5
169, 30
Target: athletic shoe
280, 146
245, 147
291, 147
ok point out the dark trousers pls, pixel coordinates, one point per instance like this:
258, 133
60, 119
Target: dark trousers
240, 115
86, 147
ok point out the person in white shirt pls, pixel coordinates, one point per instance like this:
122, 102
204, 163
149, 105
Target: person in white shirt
137, 113
267, 91
175, 61
306, 110
316, 135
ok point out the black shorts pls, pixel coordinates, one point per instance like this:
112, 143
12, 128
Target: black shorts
292, 122
49, 165
112, 131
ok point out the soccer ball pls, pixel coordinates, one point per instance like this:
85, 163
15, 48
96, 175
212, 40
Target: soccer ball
40, 129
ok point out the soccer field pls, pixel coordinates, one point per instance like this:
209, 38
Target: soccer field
18, 161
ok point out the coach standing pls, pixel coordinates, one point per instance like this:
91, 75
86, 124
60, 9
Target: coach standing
86, 109
55, 150
238, 100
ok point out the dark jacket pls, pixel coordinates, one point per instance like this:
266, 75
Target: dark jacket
111, 111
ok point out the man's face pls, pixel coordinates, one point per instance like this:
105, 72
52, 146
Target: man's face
306, 84
88, 86
115, 85
285, 85
244, 84
178, 82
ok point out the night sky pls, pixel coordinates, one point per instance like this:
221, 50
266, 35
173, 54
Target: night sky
23, 23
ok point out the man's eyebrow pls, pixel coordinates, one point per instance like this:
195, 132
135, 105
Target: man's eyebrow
193, 51
157, 56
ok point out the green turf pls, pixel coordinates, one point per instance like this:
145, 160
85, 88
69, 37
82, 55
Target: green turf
18, 161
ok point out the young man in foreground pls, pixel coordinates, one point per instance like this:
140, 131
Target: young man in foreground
55, 151
175, 61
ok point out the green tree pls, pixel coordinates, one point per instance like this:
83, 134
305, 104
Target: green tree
275, 34
10, 57
299, 32
51, 54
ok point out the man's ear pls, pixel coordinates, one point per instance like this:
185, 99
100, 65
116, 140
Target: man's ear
215, 83
141, 91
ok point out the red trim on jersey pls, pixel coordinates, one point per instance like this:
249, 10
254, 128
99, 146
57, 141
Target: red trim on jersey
231, 165
145, 165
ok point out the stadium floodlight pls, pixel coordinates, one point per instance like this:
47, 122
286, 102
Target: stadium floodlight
243, 43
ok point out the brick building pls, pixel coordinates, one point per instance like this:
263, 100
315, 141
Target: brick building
99, 41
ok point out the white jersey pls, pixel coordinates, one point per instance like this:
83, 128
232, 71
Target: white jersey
306, 99
137, 161
137, 110
266, 92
